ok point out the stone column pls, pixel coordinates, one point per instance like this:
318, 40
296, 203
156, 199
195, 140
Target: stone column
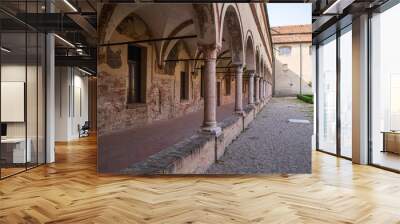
239, 89
251, 87
257, 89
210, 89
262, 89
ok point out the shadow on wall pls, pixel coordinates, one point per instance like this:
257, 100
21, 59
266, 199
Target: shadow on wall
287, 82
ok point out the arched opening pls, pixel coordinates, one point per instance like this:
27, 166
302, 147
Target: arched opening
232, 34
250, 55
250, 69
232, 43
257, 62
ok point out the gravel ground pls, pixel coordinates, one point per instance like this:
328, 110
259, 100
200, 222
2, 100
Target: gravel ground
271, 144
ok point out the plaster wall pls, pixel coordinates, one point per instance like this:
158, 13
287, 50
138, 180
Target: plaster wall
293, 69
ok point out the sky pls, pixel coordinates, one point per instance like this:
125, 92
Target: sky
283, 14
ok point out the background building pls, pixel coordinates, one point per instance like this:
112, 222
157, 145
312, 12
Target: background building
292, 50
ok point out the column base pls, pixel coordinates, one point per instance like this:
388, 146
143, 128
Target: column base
239, 112
214, 130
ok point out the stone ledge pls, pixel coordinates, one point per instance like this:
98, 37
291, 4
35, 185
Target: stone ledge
165, 161
229, 121
248, 109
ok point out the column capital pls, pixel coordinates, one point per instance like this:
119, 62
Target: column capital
238, 68
251, 73
210, 51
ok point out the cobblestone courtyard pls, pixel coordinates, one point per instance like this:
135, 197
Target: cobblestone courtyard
271, 144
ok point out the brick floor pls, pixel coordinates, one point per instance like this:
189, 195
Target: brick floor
271, 144
119, 150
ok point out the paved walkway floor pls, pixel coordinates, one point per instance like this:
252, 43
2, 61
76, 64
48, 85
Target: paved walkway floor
271, 144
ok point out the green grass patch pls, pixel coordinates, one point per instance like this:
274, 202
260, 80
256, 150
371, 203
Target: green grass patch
306, 98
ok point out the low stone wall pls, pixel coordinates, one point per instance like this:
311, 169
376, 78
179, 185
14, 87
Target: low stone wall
195, 154
250, 114
231, 129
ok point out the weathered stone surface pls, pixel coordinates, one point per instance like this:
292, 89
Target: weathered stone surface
104, 16
170, 160
113, 58
134, 27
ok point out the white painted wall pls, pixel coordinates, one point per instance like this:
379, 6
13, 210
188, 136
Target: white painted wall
12, 99
17, 73
33, 126
298, 64
71, 102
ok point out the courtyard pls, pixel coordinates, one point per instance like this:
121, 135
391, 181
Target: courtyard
272, 144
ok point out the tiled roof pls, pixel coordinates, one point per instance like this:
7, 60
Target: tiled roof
291, 34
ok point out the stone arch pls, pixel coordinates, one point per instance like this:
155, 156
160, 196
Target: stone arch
231, 28
263, 69
134, 27
223, 53
114, 18
250, 55
266, 71
205, 22
105, 14
168, 45
201, 18
173, 54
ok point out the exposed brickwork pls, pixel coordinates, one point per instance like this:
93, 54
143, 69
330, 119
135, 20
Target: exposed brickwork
162, 95
291, 34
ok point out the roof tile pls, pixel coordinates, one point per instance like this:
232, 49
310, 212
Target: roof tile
291, 34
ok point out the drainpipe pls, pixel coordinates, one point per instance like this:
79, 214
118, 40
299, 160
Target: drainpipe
301, 68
